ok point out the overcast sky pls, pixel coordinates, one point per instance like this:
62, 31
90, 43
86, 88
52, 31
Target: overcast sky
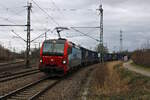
131, 16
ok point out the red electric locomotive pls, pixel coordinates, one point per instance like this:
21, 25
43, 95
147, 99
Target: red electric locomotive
58, 56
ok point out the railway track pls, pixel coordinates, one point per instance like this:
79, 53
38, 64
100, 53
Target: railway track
18, 75
5, 64
8, 74
11, 66
31, 91
9, 69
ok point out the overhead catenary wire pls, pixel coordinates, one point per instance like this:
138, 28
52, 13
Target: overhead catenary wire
58, 9
45, 13
10, 9
36, 18
80, 35
74, 36
6, 19
18, 35
85, 34
14, 12
51, 16
71, 9
17, 14
58, 24
12, 25
41, 35
86, 27
9, 19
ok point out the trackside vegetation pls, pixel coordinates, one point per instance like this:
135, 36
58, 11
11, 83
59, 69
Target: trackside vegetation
118, 84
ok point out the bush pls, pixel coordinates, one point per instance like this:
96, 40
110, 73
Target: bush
141, 57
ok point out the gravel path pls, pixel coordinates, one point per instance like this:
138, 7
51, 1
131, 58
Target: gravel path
137, 70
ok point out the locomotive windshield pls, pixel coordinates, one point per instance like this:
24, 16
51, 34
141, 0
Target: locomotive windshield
53, 49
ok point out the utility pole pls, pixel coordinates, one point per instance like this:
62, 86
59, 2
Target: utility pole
45, 36
29, 6
121, 41
101, 33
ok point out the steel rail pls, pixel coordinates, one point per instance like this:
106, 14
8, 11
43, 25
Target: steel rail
5, 64
4, 97
34, 97
18, 76
30, 86
17, 73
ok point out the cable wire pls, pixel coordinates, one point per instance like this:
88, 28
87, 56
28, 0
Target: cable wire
85, 34
6, 19
35, 17
58, 9
46, 13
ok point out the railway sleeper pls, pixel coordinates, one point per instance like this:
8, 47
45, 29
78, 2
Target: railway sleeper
27, 94
24, 95
18, 98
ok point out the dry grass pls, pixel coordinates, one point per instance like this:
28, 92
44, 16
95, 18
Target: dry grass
108, 82
100, 75
112, 82
139, 86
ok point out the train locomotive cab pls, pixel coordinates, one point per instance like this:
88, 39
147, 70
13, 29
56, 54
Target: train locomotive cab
58, 56
53, 56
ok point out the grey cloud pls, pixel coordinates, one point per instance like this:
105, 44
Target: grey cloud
132, 16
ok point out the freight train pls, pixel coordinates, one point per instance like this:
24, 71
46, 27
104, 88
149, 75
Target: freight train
112, 56
59, 56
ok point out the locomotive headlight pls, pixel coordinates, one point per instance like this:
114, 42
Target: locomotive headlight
41, 60
64, 61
